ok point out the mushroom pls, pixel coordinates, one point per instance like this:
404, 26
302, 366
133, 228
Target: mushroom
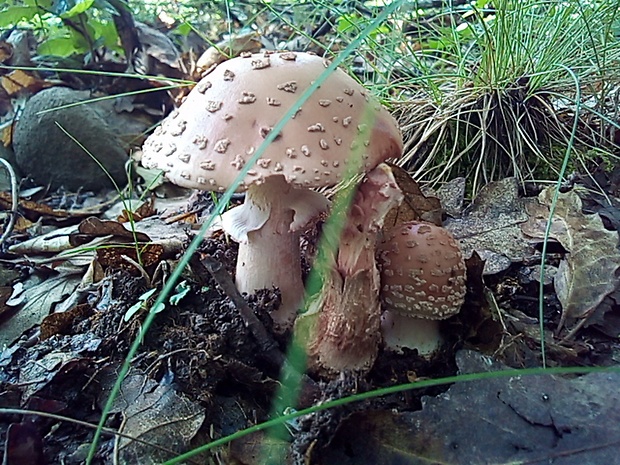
422, 281
342, 327
207, 143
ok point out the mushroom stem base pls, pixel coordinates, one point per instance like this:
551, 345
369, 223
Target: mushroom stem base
401, 332
271, 259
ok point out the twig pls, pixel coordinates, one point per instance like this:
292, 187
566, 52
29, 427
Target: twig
14, 200
181, 216
139, 267
309, 389
267, 344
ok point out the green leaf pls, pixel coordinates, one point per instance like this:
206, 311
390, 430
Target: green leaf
347, 22
183, 29
15, 14
57, 46
140, 304
131, 311
106, 34
79, 7
45, 5
158, 308
180, 291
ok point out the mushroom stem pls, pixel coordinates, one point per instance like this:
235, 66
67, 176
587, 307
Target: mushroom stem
266, 227
270, 258
342, 327
401, 332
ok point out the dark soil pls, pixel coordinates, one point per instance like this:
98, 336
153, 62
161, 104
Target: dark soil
204, 350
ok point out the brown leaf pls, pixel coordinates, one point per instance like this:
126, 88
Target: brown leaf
20, 81
588, 272
35, 303
29, 206
143, 211
247, 42
112, 256
415, 205
490, 226
158, 46
154, 413
493, 420
94, 227
6, 133
5, 294
6, 52
22, 224
23, 444
58, 323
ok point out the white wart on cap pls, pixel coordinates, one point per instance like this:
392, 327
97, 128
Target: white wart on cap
423, 277
226, 117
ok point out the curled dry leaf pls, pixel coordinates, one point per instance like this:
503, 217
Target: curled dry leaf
40, 296
33, 209
230, 47
94, 227
588, 272
415, 205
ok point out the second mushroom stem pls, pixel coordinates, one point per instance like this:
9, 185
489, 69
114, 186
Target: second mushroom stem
343, 326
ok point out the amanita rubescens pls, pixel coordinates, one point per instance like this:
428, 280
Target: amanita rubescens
209, 139
344, 319
422, 281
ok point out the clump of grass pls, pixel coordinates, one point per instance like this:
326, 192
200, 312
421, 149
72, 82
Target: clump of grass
497, 94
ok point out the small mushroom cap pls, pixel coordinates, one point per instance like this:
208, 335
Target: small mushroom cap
225, 118
422, 271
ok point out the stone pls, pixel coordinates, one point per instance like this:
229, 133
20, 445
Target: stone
49, 156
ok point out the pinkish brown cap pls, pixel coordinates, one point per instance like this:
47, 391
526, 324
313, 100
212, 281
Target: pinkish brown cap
226, 117
422, 272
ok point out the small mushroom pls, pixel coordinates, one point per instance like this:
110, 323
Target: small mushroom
422, 281
230, 112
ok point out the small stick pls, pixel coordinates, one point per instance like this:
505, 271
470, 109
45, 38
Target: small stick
264, 339
309, 389
14, 200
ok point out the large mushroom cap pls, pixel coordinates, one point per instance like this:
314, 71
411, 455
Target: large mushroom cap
422, 272
231, 110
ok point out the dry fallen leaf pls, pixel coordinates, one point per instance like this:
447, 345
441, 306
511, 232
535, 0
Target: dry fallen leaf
33, 209
452, 195
415, 205
19, 81
35, 302
58, 323
230, 47
145, 210
519, 419
156, 414
490, 226
588, 272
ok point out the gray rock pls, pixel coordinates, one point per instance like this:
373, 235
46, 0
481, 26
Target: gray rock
47, 155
